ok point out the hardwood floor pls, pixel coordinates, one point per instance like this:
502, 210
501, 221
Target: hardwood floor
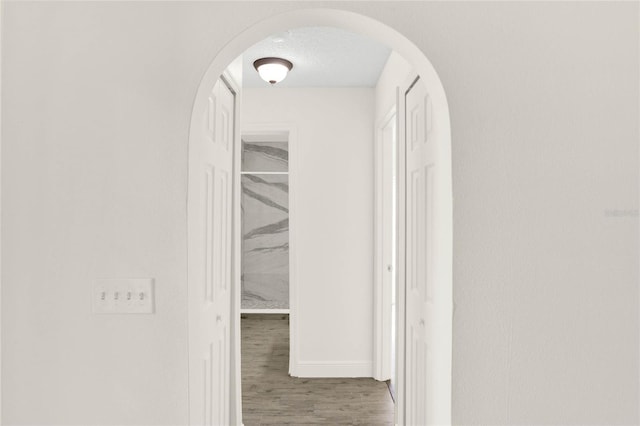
271, 397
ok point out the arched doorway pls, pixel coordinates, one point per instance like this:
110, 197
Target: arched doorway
425, 196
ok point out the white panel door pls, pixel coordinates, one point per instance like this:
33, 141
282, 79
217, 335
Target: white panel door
421, 292
209, 251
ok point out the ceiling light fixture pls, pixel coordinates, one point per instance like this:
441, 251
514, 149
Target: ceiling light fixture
272, 70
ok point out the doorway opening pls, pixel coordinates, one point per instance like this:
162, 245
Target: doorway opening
265, 217
330, 186
423, 196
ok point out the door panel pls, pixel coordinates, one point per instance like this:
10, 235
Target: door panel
420, 301
209, 273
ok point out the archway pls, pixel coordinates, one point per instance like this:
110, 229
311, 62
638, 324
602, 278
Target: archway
443, 192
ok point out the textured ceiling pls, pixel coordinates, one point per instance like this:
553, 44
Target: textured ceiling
321, 57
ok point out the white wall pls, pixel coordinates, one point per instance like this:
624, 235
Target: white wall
332, 182
396, 73
544, 110
94, 177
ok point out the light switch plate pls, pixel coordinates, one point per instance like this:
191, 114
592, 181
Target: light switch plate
123, 296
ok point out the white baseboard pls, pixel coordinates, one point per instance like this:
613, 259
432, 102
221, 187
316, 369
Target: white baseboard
334, 369
264, 311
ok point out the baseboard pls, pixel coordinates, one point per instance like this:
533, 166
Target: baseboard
334, 369
264, 311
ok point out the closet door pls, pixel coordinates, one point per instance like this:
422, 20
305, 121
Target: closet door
421, 321
209, 273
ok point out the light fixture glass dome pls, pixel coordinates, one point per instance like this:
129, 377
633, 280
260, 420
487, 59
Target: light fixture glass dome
272, 70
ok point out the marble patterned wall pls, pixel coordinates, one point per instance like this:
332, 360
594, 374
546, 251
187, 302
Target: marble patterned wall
265, 157
265, 227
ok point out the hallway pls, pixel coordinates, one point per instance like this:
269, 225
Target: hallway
270, 396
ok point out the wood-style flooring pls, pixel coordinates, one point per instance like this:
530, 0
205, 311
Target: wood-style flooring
271, 397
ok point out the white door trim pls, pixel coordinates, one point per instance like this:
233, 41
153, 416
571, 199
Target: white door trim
235, 399
401, 300
282, 132
1, 20
381, 302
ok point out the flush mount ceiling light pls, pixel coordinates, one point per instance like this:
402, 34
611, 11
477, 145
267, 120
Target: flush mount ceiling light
272, 70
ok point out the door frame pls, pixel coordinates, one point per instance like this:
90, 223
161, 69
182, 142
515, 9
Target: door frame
381, 304
382, 33
235, 362
1, 20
